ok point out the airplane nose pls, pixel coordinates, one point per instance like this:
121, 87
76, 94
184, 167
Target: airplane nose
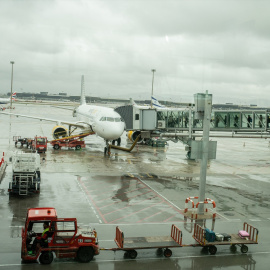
111, 131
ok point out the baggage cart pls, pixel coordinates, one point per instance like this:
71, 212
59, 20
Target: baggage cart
162, 244
236, 240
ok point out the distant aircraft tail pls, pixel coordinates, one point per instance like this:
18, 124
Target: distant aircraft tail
83, 101
14, 95
156, 104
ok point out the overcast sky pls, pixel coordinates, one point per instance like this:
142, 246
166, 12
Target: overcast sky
219, 46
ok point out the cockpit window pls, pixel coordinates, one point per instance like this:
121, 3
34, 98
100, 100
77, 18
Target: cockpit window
110, 119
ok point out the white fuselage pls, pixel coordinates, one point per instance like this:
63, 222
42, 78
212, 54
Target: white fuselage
4, 100
105, 122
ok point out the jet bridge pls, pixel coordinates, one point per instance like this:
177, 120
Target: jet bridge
181, 119
182, 123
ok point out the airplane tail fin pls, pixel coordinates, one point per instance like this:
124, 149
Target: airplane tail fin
14, 95
132, 102
83, 101
156, 103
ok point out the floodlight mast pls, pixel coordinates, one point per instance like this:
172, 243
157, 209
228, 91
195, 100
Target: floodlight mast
153, 70
12, 63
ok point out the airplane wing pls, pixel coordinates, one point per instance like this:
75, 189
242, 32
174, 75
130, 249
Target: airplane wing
58, 122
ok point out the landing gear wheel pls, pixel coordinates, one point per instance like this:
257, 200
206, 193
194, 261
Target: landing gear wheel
212, 250
233, 248
113, 142
167, 253
159, 252
105, 151
85, 254
56, 147
46, 257
132, 254
78, 147
118, 141
244, 249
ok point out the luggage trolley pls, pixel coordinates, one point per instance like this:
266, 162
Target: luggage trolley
236, 240
161, 243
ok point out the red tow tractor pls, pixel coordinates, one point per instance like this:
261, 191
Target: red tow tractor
39, 144
65, 239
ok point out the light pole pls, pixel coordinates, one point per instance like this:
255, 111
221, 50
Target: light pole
11, 62
153, 70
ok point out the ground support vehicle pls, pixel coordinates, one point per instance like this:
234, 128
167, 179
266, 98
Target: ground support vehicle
39, 144
236, 240
65, 239
25, 173
75, 141
162, 244
22, 141
157, 142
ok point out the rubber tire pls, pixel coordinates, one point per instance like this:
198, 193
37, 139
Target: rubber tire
167, 253
78, 147
205, 250
233, 248
56, 147
105, 151
46, 257
244, 249
132, 254
159, 251
85, 254
212, 250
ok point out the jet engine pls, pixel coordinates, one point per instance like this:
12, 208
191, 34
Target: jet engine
59, 132
132, 135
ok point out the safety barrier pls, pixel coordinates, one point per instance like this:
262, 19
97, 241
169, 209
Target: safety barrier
2, 160
119, 238
176, 234
206, 201
189, 199
253, 232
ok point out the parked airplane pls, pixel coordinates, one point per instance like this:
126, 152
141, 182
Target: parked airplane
105, 122
7, 100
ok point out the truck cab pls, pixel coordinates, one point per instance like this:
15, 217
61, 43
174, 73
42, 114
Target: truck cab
64, 238
39, 144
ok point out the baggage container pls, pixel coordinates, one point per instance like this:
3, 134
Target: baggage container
210, 235
227, 237
243, 234
219, 237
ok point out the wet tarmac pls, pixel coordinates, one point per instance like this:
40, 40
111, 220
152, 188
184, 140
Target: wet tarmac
142, 192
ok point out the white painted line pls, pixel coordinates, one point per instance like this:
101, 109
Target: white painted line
255, 219
222, 216
162, 196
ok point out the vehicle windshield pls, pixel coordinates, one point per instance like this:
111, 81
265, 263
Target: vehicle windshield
40, 141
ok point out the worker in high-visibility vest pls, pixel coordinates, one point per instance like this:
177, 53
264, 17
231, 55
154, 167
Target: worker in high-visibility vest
42, 240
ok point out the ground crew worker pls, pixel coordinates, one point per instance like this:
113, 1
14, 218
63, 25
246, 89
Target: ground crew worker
42, 240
